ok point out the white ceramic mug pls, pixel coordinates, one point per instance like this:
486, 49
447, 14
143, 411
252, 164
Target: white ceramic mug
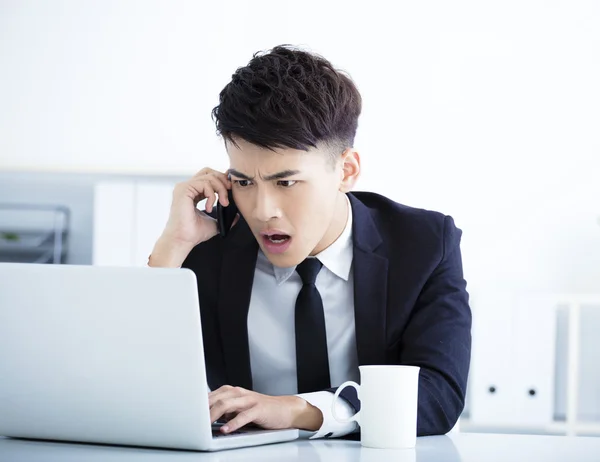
388, 406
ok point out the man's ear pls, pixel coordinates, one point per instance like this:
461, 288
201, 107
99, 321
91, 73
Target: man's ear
350, 169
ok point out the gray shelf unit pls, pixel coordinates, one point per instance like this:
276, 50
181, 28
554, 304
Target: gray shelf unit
27, 243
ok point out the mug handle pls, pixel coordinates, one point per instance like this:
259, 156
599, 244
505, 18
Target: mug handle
355, 417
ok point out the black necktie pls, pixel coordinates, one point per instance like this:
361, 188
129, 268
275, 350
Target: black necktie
312, 360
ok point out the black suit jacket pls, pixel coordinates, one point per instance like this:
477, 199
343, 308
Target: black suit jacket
410, 303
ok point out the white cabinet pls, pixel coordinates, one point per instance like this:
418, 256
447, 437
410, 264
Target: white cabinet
129, 217
512, 381
533, 356
490, 389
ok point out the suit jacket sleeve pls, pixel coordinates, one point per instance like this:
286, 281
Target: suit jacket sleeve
437, 338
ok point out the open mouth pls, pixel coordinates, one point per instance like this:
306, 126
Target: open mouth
278, 238
275, 242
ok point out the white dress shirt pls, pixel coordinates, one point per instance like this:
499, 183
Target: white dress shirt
271, 328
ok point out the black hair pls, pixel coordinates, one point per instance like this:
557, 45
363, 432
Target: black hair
289, 98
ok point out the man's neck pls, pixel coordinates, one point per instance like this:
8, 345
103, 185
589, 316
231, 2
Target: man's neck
337, 226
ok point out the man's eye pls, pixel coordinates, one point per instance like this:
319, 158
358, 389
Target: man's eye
286, 183
243, 183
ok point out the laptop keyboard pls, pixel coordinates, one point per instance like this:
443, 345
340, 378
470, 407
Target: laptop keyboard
216, 430
219, 434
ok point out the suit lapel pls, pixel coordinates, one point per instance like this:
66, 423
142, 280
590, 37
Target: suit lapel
370, 286
236, 278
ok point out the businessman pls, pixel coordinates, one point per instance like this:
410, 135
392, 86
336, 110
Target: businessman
313, 280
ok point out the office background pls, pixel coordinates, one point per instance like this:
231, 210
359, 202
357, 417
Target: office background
487, 111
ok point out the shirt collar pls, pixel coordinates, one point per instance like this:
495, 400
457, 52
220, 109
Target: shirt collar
337, 258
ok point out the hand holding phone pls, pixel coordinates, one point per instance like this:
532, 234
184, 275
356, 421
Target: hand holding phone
188, 226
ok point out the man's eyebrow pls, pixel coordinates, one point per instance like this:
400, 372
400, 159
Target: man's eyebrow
275, 176
234, 172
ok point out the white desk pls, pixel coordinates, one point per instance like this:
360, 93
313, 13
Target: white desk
461, 447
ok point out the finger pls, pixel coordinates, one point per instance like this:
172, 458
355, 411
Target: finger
208, 171
230, 406
224, 199
208, 186
210, 175
225, 392
215, 178
209, 193
222, 177
221, 185
193, 188
243, 418
204, 171
212, 392
217, 392
226, 417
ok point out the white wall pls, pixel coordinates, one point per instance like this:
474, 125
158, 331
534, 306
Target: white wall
488, 111
484, 110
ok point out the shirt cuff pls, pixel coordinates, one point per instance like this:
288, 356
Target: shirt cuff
331, 428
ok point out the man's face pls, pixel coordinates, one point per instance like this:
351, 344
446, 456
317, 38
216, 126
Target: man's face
291, 199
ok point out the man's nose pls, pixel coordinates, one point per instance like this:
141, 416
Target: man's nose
266, 207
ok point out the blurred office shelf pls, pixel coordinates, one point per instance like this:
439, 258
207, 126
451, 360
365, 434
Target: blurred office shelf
32, 233
522, 390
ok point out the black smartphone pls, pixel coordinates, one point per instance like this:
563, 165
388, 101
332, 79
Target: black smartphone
226, 215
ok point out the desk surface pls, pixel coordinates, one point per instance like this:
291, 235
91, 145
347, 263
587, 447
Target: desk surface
463, 447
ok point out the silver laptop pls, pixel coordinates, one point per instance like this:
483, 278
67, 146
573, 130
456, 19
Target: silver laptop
107, 355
